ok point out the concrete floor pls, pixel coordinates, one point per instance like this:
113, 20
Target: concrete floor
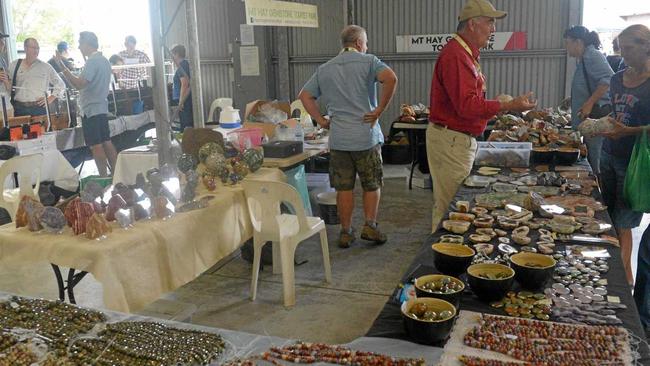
362, 279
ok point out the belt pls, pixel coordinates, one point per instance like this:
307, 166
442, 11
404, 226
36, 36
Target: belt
445, 127
25, 104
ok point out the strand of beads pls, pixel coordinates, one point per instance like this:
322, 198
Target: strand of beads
165, 344
319, 352
477, 361
6, 341
18, 355
547, 343
308, 353
55, 320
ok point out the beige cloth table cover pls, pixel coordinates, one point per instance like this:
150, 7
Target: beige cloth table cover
137, 265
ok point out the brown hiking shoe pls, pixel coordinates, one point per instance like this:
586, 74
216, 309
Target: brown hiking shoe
346, 238
373, 234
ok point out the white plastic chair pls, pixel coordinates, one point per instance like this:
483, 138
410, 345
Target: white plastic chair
26, 166
297, 104
284, 230
218, 103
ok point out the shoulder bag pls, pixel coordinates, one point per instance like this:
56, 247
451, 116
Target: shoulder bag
597, 111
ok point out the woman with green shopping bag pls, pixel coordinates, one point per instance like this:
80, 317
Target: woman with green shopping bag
630, 93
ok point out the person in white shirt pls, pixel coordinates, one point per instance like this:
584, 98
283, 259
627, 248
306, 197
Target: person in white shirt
33, 79
3, 70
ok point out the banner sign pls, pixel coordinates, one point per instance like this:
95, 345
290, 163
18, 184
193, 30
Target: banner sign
281, 13
425, 43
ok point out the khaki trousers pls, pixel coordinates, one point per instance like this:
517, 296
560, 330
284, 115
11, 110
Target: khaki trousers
451, 156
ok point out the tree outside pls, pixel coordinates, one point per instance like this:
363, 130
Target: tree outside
44, 20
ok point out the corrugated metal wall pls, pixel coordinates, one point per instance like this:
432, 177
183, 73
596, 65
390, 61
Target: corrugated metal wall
507, 72
323, 40
541, 69
216, 63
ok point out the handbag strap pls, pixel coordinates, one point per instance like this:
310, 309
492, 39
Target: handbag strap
13, 81
584, 72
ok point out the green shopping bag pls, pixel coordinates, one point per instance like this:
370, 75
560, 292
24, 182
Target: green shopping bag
637, 178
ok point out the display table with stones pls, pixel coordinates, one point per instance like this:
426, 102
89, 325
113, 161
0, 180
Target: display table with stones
171, 251
52, 333
555, 211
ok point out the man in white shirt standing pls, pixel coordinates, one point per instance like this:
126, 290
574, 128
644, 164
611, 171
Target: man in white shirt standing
3, 70
33, 80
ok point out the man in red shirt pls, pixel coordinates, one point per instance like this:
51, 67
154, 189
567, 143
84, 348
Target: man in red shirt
459, 108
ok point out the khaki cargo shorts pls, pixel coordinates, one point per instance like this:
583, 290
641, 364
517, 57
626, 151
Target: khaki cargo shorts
345, 165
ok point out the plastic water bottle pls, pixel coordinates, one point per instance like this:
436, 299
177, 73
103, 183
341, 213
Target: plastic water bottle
300, 133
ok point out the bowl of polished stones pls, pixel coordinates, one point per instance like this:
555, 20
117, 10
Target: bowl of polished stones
440, 286
525, 304
452, 259
490, 281
428, 320
533, 270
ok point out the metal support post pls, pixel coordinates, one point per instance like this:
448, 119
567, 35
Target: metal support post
160, 102
195, 63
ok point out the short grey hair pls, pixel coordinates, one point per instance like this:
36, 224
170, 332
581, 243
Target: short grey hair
351, 33
462, 25
89, 39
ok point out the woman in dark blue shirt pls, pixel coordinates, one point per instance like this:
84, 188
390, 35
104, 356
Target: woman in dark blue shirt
181, 92
630, 91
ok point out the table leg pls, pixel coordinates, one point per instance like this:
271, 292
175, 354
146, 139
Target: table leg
413, 141
73, 279
59, 281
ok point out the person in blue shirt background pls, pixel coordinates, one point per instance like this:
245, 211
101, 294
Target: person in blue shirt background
181, 92
589, 86
347, 86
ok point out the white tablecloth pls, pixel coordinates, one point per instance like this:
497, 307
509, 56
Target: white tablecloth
55, 168
137, 265
72, 138
132, 161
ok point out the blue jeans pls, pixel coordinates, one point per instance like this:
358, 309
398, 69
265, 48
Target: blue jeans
642, 285
612, 179
594, 148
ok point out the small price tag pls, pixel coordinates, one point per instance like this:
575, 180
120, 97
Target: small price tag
614, 299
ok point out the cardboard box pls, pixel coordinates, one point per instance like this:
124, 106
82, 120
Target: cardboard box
269, 128
254, 106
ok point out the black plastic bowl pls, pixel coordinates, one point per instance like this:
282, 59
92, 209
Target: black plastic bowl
542, 155
490, 289
452, 259
532, 270
452, 297
424, 331
566, 156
